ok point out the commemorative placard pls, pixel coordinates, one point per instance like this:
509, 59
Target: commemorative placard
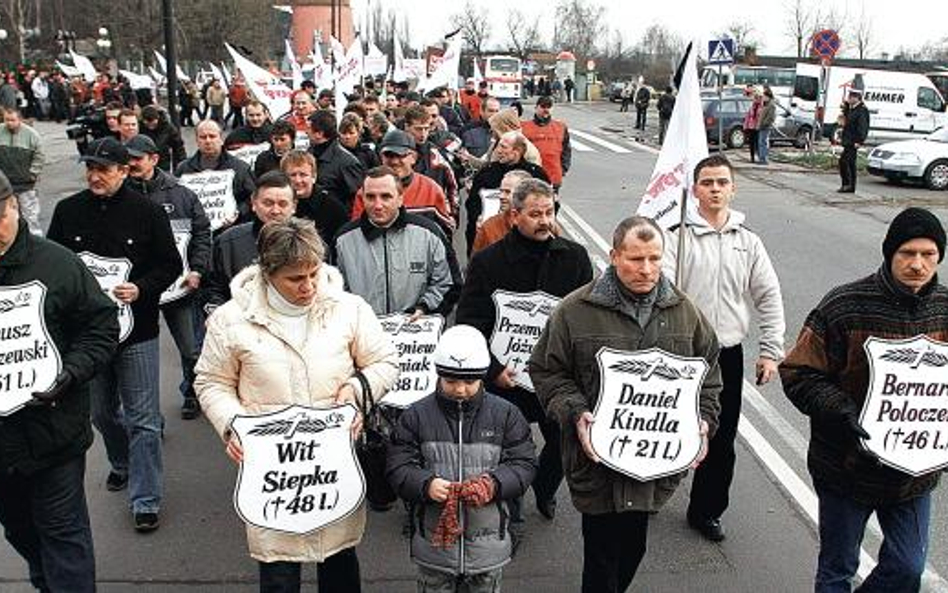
300, 472
109, 272
415, 342
906, 407
29, 360
518, 322
215, 190
182, 238
249, 152
647, 415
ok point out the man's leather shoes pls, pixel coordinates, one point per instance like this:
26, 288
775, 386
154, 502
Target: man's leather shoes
547, 508
711, 529
846, 189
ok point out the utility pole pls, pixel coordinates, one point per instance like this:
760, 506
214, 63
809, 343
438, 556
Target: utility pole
167, 17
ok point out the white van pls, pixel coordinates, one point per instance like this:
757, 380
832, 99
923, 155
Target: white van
901, 104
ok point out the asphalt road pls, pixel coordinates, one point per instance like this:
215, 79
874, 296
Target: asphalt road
816, 241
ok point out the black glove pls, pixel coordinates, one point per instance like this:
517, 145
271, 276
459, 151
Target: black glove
850, 419
60, 387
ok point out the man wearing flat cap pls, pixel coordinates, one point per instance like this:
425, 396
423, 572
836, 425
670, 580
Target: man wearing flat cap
191, 229
127, 243
43, 440
826, 376
420, 194
854, 133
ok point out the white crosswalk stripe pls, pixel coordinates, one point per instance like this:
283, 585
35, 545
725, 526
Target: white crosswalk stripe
596, 140
579, 146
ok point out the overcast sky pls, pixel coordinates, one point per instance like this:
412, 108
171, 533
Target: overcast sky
913, 23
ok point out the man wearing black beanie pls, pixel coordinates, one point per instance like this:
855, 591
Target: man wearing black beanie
827, 377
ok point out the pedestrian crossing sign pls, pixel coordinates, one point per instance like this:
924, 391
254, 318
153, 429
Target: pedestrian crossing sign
721, 51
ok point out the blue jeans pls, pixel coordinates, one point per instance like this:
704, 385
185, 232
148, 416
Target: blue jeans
901, 557
179, 315
126, 411
45, 519
763, 146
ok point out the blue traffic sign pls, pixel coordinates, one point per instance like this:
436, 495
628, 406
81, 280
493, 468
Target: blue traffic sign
721, 51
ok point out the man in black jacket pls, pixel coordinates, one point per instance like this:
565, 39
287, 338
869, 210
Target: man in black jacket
530, 258
211, 156
156, 124
338, 172
126, 241
855, 131
192, 233
43, 444
510, 152
236, 248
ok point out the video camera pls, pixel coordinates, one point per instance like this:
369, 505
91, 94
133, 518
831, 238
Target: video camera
88, 124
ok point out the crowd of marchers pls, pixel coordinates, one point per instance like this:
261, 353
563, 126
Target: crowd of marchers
345, 217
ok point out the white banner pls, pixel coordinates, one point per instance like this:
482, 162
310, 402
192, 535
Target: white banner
138, 81
415, 68
215, 190
265, 86
68, 71
686, 143
182, 238
416, 344
299, 471
84, 65
29, 360
109, 272
248, 153
164, 67
446, 72
647, 418
376, 62
519, 319
906, 407
490, 203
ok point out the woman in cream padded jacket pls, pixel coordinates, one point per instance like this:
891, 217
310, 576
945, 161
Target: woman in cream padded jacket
291, 335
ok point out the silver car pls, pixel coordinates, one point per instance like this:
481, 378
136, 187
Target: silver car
921, 159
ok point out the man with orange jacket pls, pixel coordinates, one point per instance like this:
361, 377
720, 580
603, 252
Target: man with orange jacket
551, 137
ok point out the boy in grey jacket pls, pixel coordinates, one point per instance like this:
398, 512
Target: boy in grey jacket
458, 455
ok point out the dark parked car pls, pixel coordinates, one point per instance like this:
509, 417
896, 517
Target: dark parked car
789, 128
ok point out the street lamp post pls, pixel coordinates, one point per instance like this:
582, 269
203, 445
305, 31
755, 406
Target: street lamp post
104, 42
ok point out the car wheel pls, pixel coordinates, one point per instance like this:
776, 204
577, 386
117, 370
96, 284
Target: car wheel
802, 139
936, 175
735, 138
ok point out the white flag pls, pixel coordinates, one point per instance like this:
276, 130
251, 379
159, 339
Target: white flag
84, 65
446, 72
478, 77
338, 50
68, 71
399, 74
164, 67
265, 87
322, 73
685, 144
227, 75
349, 71
294, 65
137, 81
219, 75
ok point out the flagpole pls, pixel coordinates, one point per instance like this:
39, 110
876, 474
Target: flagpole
680, 256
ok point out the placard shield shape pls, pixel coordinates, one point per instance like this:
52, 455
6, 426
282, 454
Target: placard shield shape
109, 272
300, 472
647, 417
416, 342
906, 407
29, 359
519, 319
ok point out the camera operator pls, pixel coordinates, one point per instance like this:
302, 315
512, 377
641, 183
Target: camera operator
91, 123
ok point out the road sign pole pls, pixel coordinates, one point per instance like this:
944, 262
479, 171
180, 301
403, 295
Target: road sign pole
720, 105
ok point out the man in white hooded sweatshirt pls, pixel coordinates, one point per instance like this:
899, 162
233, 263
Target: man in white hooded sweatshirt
726, 271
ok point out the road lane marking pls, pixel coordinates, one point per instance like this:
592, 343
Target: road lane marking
600, 142
803, 495
580, 147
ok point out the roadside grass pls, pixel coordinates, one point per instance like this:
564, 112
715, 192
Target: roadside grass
821, 159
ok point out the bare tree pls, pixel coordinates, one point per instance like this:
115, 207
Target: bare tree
475, 26
579, 25
801, 22
742, 32
659, 49
523, 33
863, 35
